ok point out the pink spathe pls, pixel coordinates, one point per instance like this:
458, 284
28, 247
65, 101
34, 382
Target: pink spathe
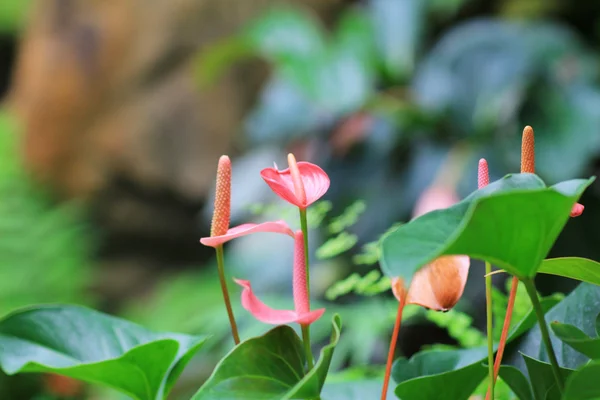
246, 229
307, 184
301, 313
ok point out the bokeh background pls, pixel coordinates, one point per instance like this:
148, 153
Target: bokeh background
113, 115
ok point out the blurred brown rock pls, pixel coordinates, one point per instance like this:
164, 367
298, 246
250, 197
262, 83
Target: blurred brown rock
106, 87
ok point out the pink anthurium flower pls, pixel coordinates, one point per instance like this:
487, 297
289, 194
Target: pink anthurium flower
301, 184
301, 313
246, 229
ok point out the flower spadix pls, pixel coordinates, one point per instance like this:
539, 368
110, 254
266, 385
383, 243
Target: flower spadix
439, 284
301, 184
301, 313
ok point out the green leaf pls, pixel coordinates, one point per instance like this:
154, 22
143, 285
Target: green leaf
355, 390
583, 383
458, 372
578, 340
284, 33
270, 367
90, 346
577, 268
544, 383
512, 223
516, 381
569, 311
336, 245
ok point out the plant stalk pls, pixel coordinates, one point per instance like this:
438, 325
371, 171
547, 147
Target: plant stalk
392, 351
539, 312
490, 336
307, 349
306, 328
221, 269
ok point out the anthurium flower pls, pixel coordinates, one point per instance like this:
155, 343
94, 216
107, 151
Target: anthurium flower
301, 313
246, 229
301, 184
440, 284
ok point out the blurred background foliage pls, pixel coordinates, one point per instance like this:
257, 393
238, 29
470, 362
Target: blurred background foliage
114, 115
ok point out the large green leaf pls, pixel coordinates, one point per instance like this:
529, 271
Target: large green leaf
88, 345
513, 223
517, 382
458, 372
270, 367
542, 377
577, 268
574, 337
577, 309
583, 383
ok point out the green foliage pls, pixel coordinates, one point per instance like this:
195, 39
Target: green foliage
580, 269
486, 225
337, 245
370, 284
13, 14
578, 340
94, 347
542, 378
270, 366
459, 326
458, 372
583, 383
348, 218
41, 242
517, 382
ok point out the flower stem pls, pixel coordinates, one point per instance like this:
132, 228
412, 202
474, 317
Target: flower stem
535, 302
505, 327
392, 351
307, 350
306, 328
490, 336
221, 269
304, 227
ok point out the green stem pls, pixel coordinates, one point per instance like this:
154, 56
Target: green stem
307, 349
221, 269
306, 328
490, 336
535, 302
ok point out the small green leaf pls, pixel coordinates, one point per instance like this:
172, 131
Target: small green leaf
583, 383
336, 245
512, 223
516, 381
578, 340
458, 372
93, 347
577, 268
270, 367
348, 218
544, 383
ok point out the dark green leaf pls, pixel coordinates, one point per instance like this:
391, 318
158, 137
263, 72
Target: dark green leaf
458, 372
544, 383
90, 346
512, 223
578, 340
575, 310
516, 381
270, 367
583, 383
577, 268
